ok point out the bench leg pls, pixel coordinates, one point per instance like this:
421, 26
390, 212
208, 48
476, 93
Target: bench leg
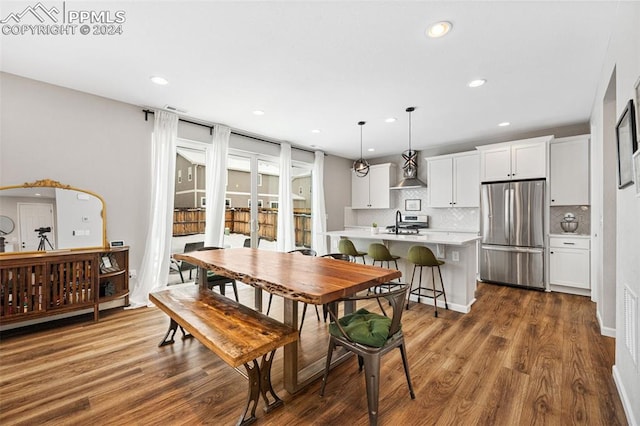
168, 338
265, 383
253, 374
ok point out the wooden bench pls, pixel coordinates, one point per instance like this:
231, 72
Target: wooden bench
236, 333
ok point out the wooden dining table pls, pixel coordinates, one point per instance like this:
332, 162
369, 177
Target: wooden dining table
297, 278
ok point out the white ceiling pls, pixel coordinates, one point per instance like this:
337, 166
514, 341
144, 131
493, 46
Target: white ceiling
327, 65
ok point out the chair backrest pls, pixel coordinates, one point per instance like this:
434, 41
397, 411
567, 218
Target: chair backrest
396, 299
189, 247
338, 256
379, 252
345, 246
306, 252
209, 248
421, 255
247, 242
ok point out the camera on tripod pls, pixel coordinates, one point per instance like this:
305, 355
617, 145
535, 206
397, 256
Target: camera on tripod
43, 238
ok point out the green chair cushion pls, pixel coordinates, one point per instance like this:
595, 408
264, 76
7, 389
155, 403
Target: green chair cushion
364, 327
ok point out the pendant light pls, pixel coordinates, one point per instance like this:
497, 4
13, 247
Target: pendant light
360, 166
410, 167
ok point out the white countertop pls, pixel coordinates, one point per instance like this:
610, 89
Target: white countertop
425, 236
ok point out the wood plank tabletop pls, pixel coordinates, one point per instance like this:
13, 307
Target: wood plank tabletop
234, 332
308, 279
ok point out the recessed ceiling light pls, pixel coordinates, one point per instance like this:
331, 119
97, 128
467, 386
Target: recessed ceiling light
391, 120
160, 81
477, 83
504, 124
258, 112
37, 194
439, 29
315, 131
371, 149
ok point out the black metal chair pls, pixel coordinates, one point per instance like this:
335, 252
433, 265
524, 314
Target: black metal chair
220, 281
304, 252
370, 336
182, 266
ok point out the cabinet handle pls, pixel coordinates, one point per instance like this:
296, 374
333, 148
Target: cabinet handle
569, 244
551, 252
553, 201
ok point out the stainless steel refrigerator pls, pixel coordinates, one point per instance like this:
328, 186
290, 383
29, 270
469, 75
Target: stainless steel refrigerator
512, 229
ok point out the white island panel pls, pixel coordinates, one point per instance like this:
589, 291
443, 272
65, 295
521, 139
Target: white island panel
458, 250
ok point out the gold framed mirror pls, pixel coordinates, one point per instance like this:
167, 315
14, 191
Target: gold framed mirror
49, 215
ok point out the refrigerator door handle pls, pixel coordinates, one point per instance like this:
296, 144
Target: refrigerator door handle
512, 218
514, 249
507, 218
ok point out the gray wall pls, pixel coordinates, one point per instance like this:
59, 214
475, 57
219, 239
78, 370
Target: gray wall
623, 62
81, 140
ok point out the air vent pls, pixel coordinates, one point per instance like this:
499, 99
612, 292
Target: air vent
174, 109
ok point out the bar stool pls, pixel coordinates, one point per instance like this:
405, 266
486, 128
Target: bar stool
421, 257
380, 253
345, 246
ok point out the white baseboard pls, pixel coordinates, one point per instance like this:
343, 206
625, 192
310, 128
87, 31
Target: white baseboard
570, 290
624, 397
605, 331
465, 309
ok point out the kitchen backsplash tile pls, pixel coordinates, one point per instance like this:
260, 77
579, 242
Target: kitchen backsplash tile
462, 219
582, 214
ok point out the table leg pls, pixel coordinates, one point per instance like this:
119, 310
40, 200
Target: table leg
291, 349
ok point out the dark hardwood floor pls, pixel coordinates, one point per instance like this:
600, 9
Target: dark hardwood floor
520, 357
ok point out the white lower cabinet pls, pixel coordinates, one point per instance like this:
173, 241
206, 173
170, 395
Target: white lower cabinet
569, 261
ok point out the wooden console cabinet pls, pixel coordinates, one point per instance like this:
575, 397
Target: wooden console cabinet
43, 284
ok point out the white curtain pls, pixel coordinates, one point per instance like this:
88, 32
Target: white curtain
154, 271
318, 211
286, 236
216, 170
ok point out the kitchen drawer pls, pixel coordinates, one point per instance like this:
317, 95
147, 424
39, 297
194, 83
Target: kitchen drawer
568, 242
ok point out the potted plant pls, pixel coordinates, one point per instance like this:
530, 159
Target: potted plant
374, 228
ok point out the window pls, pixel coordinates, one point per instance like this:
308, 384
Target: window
273, 204
203, 201
227, 202
180, 176
190, 174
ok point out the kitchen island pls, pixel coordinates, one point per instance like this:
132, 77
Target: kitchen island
457, 249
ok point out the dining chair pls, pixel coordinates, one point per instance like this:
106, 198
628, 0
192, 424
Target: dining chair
182, 266
220, 281
333, 305
370, 336
304, 252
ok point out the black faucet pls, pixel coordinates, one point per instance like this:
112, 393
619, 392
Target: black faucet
398, 220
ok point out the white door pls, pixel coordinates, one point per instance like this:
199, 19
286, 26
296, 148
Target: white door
32, 217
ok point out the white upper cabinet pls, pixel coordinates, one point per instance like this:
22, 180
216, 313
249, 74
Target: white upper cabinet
453, 180
523, 159
569, 171
372, 191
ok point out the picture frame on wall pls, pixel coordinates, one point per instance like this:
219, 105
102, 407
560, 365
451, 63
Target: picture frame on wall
412, 205
636, 171
637, 91
627, 144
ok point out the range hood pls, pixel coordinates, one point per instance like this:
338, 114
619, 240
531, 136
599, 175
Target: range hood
410, 168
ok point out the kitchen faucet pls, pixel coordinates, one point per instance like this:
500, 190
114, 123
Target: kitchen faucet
398, 220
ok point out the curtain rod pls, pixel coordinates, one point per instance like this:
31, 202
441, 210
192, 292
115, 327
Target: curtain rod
148, 111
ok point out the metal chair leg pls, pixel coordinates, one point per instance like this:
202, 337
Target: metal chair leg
406, 370
372, 379
332, 346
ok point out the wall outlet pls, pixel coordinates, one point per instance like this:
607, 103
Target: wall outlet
455, 256
133, 273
